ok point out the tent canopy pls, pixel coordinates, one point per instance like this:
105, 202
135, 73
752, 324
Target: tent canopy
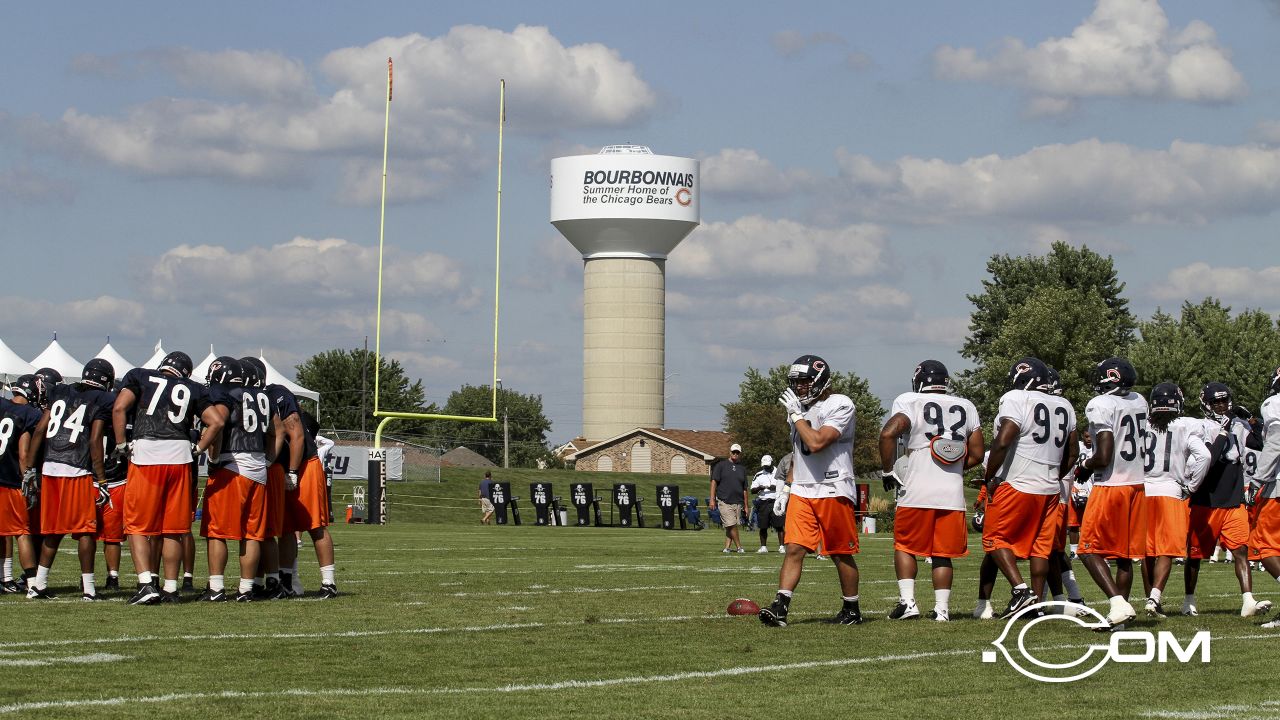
56, 357
274, 377
118, 363
201, 371
153, 362
11, 366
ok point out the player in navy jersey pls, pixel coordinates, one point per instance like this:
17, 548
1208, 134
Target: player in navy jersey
18, 421
72, 430
158, 499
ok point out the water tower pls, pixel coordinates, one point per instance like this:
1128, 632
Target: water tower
624, 209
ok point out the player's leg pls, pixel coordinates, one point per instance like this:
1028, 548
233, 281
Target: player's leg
943, 574
253, 528
38, 589
987, 574
765, 515
802, 535
1124, 576
87, 549
188, 561
250, 553
1190, 578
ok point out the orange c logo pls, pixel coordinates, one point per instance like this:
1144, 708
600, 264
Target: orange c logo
684, 197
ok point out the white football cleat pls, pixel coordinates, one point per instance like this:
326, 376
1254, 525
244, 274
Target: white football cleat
1189, 609
986, 613
939, 615
762, 550
1121, 612
1254, 608
782, 548
1270, 625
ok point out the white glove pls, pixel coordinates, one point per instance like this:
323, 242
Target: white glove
780, 502
291, 480
790, 401
104, 495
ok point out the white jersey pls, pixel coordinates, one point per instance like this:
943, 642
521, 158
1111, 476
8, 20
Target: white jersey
1125, 417
765, 484
1176, 458
252, 465
1081, 489
1266, 466
828, 472
926, 483
1045, 423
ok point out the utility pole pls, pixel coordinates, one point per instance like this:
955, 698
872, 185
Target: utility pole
506, 441
364, 375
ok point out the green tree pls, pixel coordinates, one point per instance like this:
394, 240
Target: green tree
528, 426
1086, 320
758, 422
1205, 344
337, 375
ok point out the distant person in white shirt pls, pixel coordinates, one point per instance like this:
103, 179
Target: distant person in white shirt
765, 487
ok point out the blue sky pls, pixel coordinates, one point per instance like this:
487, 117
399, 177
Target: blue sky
210, 174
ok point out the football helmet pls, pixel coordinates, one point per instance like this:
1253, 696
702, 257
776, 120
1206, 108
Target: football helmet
1212, 393
808, 378
177, 363
224, 371
253, 377
30, 387
98, 373
1114, 375
930, 376
1166, 397
1052, 384
1027, 374
52, 378
1273, 385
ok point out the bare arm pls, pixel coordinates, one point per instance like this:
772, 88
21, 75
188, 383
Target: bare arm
120, 413
273, 430
213, 417
1009, 431
37, 437
1104, 448
24, 453
897, 425
297, 444
975, 446
97, 432
1070, 455
816, 440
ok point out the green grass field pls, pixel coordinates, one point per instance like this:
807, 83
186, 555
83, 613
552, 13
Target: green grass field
443, 618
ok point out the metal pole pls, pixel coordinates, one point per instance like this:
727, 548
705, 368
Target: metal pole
506, 439
364, 376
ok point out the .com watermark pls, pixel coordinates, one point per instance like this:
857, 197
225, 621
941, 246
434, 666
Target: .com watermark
1123, 646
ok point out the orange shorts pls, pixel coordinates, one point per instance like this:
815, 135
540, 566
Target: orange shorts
826, 521
307, 508
1212, 526
67, 505
275, 500
1264, 538
234, 507
158, 500
928, 532
1167, 521
1074, 516
1059, 522
13, 513
111, 517
1024, 523
1115, 522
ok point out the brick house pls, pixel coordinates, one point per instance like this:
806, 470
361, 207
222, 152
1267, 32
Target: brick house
656, 450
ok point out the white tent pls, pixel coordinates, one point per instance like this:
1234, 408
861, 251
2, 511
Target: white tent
59, 359
153, 362
274, 377
11, 366
202, 370
118, 363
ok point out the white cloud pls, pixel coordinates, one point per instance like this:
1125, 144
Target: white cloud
1087, 181
1255, 286
1124, 49
757, 247
279, 122
97, 317
300, 273
743, 174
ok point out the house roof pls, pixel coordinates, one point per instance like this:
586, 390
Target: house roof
710, 444
464, 457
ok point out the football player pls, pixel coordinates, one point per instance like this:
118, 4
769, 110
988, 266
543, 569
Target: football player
111, 512
18, 421
820, 506
1034, 446
73, 429
1177, 459
1218, 513
1062, 578
1081, 485
943, 439
235, 496
764, 485
1115, 520
158, 498
1264, 538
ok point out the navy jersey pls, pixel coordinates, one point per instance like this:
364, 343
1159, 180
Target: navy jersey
68, 436
285, 404
15, 420
167, 405
249, 415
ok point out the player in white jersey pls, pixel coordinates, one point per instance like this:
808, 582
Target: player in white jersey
1264, 539
1115, 521
1034, 445
1061, 581
765, 487
1079, 486
1176, 461
943, 439
820, 505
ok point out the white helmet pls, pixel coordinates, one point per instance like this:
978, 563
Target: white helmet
766, 461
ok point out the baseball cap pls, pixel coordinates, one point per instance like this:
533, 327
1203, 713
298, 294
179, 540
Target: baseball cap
766, 461
735, 448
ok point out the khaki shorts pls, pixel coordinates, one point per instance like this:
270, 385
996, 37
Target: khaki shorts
730, 514
485, 505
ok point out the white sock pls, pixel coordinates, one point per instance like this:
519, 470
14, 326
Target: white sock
1069, 582
1248, 598
907, 590
86, 581
1214, 558
273, 576
1278, 578
326, 575
785, 593
42, 577
1116, 601
170, 586
1020, 586
1155, 594
246, 585
113, 573
216, 583
942, 600
144, 578
849, 598
1073, 549
8, 569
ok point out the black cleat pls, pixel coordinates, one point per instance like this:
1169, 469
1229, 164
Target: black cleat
775, 615
850, 614
9, 587
146, 595
35, 593
169, 598
259, 592
1019, 600
244, 596
904, 611
328, 591
211, 595
188, 584
90, 597
113, 583
275, 591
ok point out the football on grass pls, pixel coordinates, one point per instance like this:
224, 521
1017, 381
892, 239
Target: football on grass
743, 606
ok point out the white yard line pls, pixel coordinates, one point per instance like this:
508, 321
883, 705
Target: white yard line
66, 660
